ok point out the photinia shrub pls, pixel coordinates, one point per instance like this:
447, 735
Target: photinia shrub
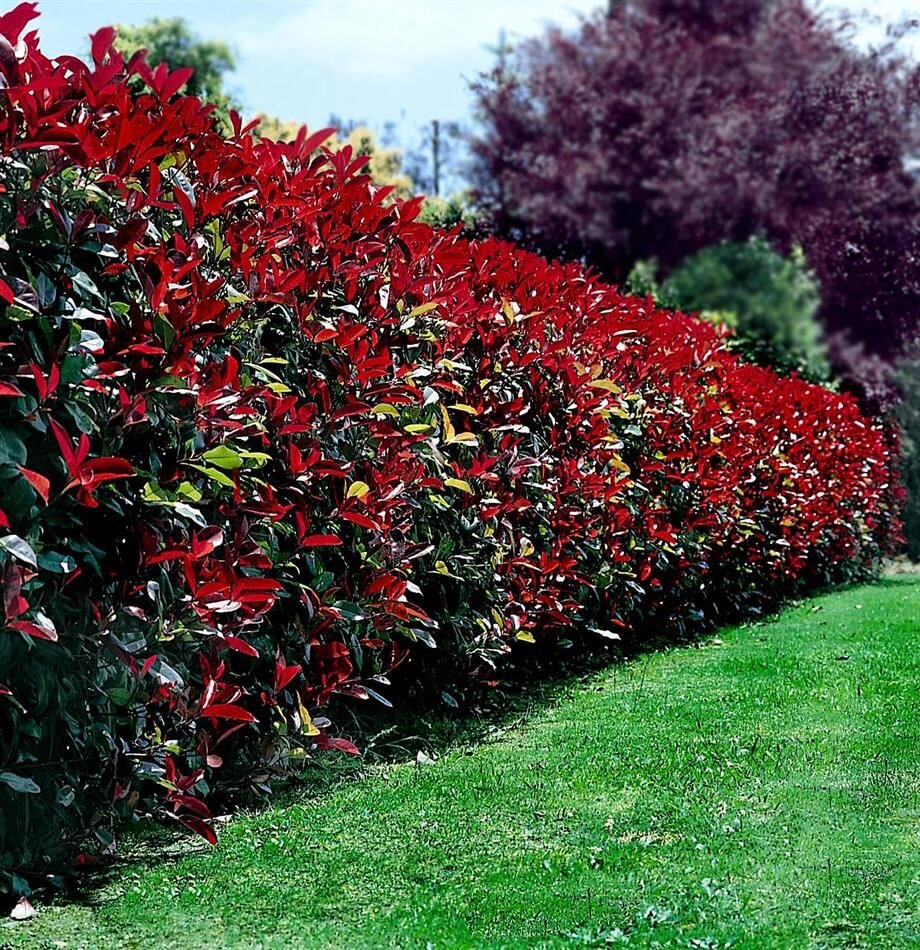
264, 436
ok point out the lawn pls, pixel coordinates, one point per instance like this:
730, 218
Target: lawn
759, 790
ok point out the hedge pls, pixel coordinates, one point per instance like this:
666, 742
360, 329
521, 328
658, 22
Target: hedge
266, 439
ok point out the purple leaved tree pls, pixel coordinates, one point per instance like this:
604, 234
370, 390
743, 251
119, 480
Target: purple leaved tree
668, 125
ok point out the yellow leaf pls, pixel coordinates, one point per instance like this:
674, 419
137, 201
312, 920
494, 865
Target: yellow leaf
463, 407
606, 384
441, 567
423, 308
417, 427
463, 437
358, 490
449, 430
306, 723
525, 637
385, 409
458, 483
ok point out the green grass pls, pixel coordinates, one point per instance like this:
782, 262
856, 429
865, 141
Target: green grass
760, 790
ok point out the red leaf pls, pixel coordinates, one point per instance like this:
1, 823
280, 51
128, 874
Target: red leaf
343, 745
101, 43
34, 630
6, 292
357, 518
241, 646
8, 389
194, 805
64, 444
200, 827
97, 471
228, 711
38, 482
284, 675
177, 79
321, 541
313, 142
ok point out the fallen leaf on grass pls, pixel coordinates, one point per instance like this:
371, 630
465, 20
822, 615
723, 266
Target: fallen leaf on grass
24, 910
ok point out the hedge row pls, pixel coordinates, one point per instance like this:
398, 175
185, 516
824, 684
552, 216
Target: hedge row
264, 437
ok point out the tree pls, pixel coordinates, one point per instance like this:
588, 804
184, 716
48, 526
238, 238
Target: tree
434, 163
771, 302
665, 126
172, 41
909, 420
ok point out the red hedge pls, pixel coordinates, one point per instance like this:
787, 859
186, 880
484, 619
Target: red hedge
264, 436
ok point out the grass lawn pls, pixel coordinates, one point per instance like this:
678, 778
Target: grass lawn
761, 790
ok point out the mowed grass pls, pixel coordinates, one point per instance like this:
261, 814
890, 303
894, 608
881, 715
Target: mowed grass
759, 790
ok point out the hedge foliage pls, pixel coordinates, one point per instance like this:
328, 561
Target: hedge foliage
266, 439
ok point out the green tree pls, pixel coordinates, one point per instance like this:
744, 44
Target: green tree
908, 415
456, 208
171, 40
769, 300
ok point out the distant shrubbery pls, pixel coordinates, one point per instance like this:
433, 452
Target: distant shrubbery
769, 301
908, 416
266, 439
448, 212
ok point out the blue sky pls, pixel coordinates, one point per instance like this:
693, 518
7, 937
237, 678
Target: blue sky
379, 60
405, 61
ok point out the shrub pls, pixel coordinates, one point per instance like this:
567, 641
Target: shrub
771, 302
456, 209
908, 416
267, 439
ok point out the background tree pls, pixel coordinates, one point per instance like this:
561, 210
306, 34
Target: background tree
665, 126
771, 302
435, 163
909, 419
171, 40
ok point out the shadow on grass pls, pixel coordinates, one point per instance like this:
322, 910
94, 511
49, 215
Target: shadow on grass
390, 736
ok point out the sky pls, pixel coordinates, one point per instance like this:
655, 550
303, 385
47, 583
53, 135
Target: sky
379, 61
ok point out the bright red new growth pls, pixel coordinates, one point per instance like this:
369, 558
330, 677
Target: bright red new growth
296, 436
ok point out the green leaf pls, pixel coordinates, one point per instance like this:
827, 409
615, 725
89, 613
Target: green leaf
19, 783
56, 563
46, 291
223, 457
12, 448
258, 458
20, 549
215, 475
188, 491
82, 281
